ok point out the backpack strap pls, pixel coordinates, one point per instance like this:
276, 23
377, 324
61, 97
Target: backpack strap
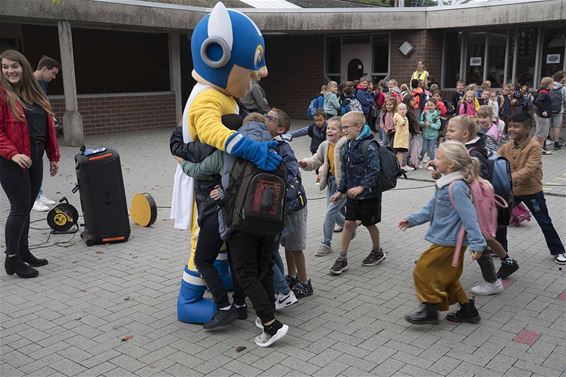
461, 232
365, 147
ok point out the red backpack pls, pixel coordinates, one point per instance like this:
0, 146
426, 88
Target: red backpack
485, 201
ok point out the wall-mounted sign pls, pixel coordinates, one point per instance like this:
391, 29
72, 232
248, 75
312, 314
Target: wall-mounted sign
475, 61
553, 59
406, 48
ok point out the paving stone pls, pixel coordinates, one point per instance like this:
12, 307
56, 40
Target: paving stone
75, 315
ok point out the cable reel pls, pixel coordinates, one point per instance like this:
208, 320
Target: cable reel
63, 217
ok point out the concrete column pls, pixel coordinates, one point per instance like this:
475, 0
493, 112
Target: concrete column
175, 72
72, 120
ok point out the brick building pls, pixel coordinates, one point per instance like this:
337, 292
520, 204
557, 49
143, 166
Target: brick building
126, 63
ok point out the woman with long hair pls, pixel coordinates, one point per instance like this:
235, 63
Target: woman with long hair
26, 132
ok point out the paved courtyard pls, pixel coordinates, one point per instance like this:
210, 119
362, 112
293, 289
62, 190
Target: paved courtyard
111, 310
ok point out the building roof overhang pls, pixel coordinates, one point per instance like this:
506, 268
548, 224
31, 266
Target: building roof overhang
135, 14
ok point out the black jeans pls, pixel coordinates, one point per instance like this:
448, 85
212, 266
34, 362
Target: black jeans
253, 262
21, 187
208, 246
537, 205
487, 267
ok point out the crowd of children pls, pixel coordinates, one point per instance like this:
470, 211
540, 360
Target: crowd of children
350, 125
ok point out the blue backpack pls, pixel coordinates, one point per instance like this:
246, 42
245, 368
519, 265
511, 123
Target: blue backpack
316, 103
499, 171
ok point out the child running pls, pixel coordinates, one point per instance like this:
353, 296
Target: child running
437, 282
327, 161
359, 183
524, 154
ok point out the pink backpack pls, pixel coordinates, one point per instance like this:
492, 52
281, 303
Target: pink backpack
485, 201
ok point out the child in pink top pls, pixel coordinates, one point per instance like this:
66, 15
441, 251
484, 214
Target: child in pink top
467, 107
386, 124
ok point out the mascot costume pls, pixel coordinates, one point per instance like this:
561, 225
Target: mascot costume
228, 52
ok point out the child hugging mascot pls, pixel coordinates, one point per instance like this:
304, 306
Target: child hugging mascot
228, 52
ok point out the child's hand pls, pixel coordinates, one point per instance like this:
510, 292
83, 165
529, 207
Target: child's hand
303, 164
355, 191
317, 178
403, 224
215, 193
435, 175
475, 255
544, 114
178, 159
336, 197
426, 124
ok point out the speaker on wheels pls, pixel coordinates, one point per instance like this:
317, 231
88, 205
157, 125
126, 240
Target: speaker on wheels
103, 198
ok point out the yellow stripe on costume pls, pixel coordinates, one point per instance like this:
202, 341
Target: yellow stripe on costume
194, 237
205, 118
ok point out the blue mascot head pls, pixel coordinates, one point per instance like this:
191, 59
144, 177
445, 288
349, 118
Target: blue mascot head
228, 51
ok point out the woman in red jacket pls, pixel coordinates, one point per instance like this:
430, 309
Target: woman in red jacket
26, 131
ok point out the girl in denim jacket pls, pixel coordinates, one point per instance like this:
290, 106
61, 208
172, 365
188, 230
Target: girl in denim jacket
437, 282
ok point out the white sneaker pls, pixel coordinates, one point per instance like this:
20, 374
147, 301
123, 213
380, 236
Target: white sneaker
338, 228
284, 301
560, 258
430, 168
485, 289
408, 168
265, 340
323, 250
45, 200
39, 206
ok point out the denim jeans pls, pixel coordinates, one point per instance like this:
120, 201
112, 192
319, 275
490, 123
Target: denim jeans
333, 212
429, 147
537, 205
279, 282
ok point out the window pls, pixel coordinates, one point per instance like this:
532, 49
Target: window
380, 54
475, 61
333, 58
452, 43
526, 56
496, 58
553, 51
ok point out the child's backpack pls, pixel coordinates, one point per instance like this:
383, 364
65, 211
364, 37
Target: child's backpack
389, 166
485, 202
255, 200
555, 101
315, 103
499, 174
350, 104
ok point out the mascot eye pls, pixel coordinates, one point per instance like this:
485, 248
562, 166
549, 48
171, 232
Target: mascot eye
258, 55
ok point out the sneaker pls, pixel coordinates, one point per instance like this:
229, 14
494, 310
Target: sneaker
323, 250
485, 289
39, 206
45, 200
466, 313
258, 323
408, 168
507, 269
557, 146
546, 152
282, 301
222, 318
303, 289
265, 340
339, 266
560, 258
291, 281
338, 228
430, 167
374, 258
242, 311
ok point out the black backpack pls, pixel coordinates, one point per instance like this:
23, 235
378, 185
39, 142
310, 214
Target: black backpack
255, 200
389, 166
555, 101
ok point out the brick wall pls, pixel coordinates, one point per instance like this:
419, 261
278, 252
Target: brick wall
295, 67
122, 113
428, 48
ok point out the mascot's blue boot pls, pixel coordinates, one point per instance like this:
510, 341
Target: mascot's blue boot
191, 307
